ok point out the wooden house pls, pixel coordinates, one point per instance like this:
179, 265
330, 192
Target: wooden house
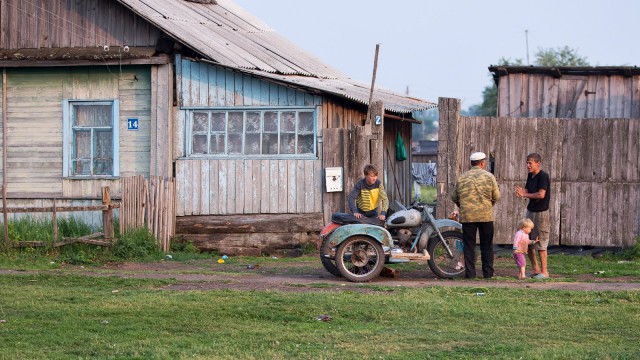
424, 151
246, 122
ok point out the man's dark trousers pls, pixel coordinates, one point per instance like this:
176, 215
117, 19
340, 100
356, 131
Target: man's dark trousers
486, 248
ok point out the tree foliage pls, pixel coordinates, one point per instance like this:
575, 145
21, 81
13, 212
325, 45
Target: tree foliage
428, 130
561, 56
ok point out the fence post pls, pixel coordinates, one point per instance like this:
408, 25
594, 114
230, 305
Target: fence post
54, 221
107, 214
7, 243
449, 118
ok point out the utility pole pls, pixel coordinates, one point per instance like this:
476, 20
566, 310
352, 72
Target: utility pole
526, 37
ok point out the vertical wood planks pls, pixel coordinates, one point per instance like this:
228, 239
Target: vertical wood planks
149, 203
593, 165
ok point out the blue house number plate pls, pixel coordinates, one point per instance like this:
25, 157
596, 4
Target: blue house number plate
132, 124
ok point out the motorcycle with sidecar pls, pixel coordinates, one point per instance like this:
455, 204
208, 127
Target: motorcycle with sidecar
358, 249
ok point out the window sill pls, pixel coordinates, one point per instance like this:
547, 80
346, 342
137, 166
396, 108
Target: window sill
91, 178
204, 157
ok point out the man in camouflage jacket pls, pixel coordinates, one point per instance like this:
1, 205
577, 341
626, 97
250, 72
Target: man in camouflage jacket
475, 194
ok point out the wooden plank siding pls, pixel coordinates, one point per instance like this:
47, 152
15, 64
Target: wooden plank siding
29, 24
219, 187
593, 164
209, 186
201, 84
396, 175
34, 122
569, 96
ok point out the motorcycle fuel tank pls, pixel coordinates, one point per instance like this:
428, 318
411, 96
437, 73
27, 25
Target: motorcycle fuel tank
404, 219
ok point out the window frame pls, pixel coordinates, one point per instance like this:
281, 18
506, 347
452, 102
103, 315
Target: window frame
189, 133
67, 137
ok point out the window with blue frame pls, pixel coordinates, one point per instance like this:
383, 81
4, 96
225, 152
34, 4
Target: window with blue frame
252, 133
90, 139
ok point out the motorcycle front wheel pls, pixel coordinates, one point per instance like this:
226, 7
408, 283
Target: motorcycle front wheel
441, 263
326, 257
360, 258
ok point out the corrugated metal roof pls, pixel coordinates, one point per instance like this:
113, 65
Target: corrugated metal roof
229, 36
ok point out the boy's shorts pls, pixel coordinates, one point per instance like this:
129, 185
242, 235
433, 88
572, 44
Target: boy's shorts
541, 228
520, 260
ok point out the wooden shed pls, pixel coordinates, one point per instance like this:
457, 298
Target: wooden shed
568, 92
584, 122
202, 91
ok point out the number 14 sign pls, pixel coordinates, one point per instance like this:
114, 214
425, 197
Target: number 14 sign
132, 124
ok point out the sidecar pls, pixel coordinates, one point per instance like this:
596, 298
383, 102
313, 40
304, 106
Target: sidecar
361, 251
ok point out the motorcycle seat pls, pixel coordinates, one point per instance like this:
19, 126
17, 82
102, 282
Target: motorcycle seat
345, 219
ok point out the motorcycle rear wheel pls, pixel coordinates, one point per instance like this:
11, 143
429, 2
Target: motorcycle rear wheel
360, 258
441, 263
325, 257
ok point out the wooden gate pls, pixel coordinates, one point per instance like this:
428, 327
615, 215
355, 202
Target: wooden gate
149, 203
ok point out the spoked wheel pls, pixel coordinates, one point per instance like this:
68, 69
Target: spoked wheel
327, 256
360, 258
441, 263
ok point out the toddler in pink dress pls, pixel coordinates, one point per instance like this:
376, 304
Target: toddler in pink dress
521, 244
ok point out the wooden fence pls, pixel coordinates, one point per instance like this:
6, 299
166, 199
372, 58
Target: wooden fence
107, 233
594, 165
151, 203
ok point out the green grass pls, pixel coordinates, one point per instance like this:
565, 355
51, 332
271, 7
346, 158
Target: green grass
428, 194
61, 317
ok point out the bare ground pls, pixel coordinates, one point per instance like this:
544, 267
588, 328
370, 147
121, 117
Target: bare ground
309, 275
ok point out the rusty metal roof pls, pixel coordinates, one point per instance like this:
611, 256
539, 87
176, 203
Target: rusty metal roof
228, 35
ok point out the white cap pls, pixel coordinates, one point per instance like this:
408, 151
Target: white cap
477, 156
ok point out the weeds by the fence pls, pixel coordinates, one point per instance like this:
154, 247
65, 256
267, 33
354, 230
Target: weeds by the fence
138, 243
631, 253
133, 245
28, 228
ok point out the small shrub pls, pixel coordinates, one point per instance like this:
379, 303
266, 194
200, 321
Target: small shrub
631, 253
309, 247
136, 244
185, 247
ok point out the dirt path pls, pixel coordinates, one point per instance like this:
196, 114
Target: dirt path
305, 276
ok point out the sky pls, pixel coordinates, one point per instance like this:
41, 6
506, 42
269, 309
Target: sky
443, 48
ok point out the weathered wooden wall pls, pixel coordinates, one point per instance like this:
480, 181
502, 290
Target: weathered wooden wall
569, 96
241, 186
161, 121
600, 193
200, 84
72, 24
34, 126
397, 174
338, 114
351, 148
244, 186
594, 165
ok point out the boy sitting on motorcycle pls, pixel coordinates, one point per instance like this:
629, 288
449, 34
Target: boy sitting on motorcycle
367, 193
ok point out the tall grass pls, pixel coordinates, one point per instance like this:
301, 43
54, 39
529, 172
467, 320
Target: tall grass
133, 245
28, 228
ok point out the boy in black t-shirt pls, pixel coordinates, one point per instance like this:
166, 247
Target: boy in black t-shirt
538, 191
